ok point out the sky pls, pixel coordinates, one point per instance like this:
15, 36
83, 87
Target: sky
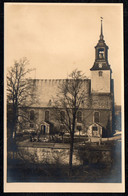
57, 38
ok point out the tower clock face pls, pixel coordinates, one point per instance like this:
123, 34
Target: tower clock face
100, 65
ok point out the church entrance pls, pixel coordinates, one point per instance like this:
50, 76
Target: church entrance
43, 129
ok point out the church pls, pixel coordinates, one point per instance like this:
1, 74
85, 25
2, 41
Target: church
95, 118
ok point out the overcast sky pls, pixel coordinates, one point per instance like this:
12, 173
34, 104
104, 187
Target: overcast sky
58, 38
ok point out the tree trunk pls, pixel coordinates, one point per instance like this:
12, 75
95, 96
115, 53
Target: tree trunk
71, 152
14, 130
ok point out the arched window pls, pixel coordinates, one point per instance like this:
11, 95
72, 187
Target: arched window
100, 73
79, 128
96, 117
62, 116
31, 125
101, 53
32, 115
46, 116
79, 116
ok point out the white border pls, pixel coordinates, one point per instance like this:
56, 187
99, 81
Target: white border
64, 187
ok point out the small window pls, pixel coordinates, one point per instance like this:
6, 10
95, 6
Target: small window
46, 116
94, 128
32, 115
96, 117
79, 116
62, 116
31, 125
100, 73
79, 128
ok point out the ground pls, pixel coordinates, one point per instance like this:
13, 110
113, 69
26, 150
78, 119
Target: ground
91, 171
26, 142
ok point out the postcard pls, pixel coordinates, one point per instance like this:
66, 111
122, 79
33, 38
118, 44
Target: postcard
64, 97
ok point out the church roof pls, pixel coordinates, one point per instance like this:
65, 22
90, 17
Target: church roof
101, 43
96, 124
47, 90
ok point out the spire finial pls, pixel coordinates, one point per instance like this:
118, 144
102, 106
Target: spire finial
101, 34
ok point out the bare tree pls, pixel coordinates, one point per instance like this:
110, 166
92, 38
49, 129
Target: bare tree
20, 92
70, 99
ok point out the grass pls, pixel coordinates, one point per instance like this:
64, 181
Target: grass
58, 173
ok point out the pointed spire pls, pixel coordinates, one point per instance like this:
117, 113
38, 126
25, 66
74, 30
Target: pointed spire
101, 34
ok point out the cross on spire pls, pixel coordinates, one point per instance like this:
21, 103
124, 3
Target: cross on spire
101, 34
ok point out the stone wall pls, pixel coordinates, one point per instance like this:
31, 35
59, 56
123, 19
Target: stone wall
47, 155
61, 156
100, 84
101, 101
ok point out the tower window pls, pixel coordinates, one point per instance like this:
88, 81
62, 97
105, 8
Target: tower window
101, 53
46, 115
79, 116
100, 73
62, 116
96, 117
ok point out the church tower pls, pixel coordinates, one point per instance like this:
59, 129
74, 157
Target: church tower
101, 72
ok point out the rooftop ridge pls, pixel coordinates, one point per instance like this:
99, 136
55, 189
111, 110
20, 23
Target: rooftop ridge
56, 79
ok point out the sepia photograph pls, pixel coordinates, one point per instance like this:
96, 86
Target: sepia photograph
64, 97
